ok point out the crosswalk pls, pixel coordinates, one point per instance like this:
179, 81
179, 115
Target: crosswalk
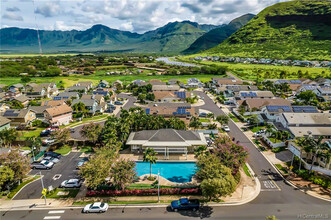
270, 185
54, 214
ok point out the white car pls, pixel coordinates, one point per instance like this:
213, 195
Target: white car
72, 183
48, 141
51, 159
226, 128
96, 207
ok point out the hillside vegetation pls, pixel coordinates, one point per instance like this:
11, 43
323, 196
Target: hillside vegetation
299, 29
171, 38
217, 35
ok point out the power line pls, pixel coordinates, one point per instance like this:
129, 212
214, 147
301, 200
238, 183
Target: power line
35, 19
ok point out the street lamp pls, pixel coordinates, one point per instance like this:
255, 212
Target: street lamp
33, 148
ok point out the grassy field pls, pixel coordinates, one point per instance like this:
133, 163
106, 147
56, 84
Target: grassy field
246, 170
36, 55
249, 71
25, 134
100, 75
72, 193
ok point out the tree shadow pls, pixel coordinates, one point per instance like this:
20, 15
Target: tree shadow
203, 212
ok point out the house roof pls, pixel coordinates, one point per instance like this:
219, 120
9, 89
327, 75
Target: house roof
166, 137
172, 111
39, 109
85, 83
305, 131
255, 94
4, 121
52, 102
68, 94
58, 110
259, 103
16, 113
73, 88
87, 102
229, 82
317, 119
165, 88
22, 98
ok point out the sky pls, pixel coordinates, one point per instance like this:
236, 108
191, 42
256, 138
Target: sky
129, 15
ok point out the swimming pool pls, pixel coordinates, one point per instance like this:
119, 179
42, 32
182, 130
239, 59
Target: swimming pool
178, 172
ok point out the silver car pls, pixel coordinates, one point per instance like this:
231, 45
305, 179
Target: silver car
72, 183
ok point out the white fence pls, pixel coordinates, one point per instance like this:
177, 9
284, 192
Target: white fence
271, 144
294, 149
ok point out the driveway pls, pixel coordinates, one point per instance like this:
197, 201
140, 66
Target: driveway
66, 168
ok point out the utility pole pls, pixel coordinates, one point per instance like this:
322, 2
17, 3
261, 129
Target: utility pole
33, 148
158, 185
42, 185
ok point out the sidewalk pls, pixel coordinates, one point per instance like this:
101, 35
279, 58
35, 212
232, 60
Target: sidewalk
247, 190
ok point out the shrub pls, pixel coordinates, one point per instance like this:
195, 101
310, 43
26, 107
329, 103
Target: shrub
144, 192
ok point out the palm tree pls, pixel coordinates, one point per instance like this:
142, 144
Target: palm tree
195, 123
315, 147
8, 136
150, 156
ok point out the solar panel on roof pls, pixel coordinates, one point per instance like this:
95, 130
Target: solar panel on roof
57, 98
148, 111
308, 109
276, 108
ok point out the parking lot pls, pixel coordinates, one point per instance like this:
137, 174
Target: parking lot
63, 170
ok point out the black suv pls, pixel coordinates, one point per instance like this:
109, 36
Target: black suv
52, 154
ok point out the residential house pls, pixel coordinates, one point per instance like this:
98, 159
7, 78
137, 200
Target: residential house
173, 111
39, 111
307, 87
173, 81
193, 83
165, 88
102, 105
77, 88
87, 84
2, 87
258, 103
102, 91
4, 123
230, 90
22, 99
117, 83
15, 87
166, 141
138, 82
90, 104
19, 116
226, 81
51, 89
254, 95
36, 92
170, 96
103, 84
305, 124
272, 112
155, 82
66, 95
58, 115
324, 92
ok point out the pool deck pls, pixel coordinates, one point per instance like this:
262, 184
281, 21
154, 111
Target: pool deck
172, 157
165, 182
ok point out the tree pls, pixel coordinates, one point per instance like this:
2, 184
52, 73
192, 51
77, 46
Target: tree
200, 150
307, 96
91, 131
213, 189
271, 218
25, 79
62, 135
8, 136
315, 147
231, 155
80, 108
141, 98
19, 163
6, 176
195, 123
253, 120
150, 156
123, 173
210, 115
222, 119
34, 143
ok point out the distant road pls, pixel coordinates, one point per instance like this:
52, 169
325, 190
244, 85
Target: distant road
169, 62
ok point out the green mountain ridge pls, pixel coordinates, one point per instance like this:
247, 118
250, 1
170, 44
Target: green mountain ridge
171, 38
217, 35
299, 29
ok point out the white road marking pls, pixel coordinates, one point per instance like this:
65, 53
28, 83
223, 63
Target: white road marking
57, 176
56, 212
52, 217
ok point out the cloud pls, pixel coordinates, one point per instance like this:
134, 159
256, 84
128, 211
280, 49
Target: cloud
12, 16
13, 9
63, 26
49, 9
192, 7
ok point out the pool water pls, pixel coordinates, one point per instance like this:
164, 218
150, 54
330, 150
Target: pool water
178, 172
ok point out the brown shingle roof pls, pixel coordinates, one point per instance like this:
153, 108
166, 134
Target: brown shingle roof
259, 103
58, 110
52, 103
4, 121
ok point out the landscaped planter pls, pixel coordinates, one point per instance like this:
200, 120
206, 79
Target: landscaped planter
272, 144
144, 192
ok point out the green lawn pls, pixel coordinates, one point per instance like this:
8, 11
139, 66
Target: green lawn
72, 193
87, 149
19, 187
25, 134
256, 129
86, 120
278, 149
234, 118
204, 120
63, 150
246, 170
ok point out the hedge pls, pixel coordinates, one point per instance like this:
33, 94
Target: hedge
144, 192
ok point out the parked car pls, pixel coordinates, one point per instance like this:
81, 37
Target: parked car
48, 141
259, 133
111, 106
109, 110
226, 128
72, 183
82, 162
118, 103
72, 130
96, 207
52, 154
44, 164
45, 133
184, 204
51, 159
203, 114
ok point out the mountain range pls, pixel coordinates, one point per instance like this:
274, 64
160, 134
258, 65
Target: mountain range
172, 38
299, 29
